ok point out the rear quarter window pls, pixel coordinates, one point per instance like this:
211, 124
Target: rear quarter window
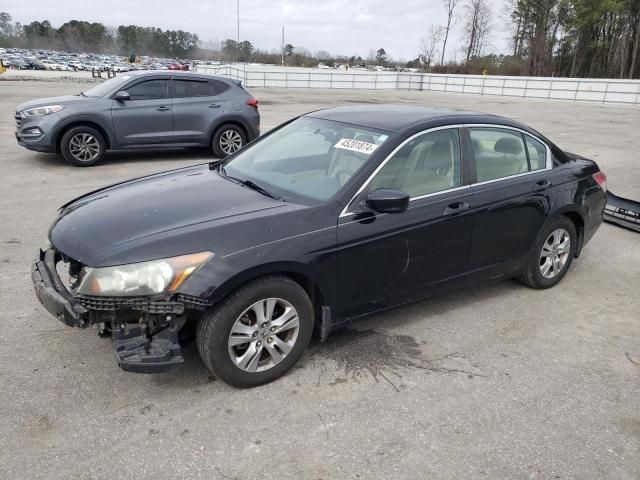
219, 86
537, 153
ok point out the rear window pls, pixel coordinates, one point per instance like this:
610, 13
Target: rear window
498, 153
192, 88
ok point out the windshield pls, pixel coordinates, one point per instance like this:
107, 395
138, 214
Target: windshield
307, 159
107, 87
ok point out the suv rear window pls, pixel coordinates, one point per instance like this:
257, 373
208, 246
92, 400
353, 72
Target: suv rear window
192, 88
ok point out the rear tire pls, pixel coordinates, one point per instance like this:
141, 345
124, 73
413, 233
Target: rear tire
258, 333
552, 255
83, 146
227, 140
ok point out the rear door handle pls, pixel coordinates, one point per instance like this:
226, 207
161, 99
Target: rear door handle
541, 185
163, 108
215, 105
456, 207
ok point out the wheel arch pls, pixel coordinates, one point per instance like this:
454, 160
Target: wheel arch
230, 120
577, 217
81, 123
319, 294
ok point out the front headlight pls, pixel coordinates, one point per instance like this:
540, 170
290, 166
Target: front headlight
39, 111
145, 278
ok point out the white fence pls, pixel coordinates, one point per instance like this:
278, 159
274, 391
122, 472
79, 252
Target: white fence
572, 89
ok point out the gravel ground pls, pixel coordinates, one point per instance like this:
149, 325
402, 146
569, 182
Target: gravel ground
496, 382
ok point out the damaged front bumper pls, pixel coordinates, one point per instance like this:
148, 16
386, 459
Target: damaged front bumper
622, 211
144, 330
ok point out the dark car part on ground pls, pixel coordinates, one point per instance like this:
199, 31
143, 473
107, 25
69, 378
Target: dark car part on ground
622, 211
330, 217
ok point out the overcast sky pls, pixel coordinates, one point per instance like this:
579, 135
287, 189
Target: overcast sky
348, 27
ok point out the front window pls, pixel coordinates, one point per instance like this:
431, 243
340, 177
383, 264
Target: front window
429, 163
306, 159
149, 90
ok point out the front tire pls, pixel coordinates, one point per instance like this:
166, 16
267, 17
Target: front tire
228, 139
258, 333
553, 255
83, 146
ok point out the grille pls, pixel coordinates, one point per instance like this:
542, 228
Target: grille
111, 304
18, 120
194, 302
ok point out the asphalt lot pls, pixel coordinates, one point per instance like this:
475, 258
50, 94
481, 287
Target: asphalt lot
501, 382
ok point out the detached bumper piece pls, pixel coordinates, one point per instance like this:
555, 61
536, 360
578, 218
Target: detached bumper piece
622, 211
137, 353
53, 295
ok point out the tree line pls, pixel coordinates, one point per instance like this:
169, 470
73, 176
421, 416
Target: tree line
565, 38
81, 36
562, 38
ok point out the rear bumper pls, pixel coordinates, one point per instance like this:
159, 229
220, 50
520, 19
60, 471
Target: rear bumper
622, 211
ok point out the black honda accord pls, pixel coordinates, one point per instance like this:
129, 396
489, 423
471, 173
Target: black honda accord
332, 216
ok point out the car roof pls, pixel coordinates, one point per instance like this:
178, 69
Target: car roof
175, 73
399, 117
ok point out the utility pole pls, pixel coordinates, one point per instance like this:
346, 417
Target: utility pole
238, 42
282, 46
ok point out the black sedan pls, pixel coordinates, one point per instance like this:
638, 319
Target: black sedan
332, 216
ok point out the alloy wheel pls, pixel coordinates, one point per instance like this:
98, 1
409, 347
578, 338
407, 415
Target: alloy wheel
84, 147
555, 253
230, 141
263, 335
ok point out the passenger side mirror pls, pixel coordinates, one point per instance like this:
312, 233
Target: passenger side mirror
385, 200
122, 96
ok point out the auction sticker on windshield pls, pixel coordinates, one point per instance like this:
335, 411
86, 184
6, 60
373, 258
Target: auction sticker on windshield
356, 146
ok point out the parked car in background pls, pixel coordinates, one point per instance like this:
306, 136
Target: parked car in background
141, 110
335, 215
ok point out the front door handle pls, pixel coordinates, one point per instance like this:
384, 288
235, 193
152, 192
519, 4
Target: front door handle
163, 108
215, 105
456, 207
541, 185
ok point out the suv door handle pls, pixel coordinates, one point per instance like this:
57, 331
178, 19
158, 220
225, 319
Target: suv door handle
215, 105
163, 108
541, 185
456, 207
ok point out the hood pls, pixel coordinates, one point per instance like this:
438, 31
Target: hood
62, 100
162, 215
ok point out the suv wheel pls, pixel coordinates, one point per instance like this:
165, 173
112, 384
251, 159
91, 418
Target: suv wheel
83, 146
228, 139
257, 333
553, 255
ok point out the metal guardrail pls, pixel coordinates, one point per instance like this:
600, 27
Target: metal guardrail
608, 91
97, 73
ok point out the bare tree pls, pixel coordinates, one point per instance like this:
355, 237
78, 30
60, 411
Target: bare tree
429, 44
450, 6
476, 26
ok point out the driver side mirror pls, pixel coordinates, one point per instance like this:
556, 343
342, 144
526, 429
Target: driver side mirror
122, 96
385, 200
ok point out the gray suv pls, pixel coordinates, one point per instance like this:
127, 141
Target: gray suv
141, 110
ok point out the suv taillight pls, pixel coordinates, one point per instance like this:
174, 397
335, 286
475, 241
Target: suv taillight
252, 102
601, 178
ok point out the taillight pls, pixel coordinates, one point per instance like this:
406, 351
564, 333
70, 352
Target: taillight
252, 102
601, 178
